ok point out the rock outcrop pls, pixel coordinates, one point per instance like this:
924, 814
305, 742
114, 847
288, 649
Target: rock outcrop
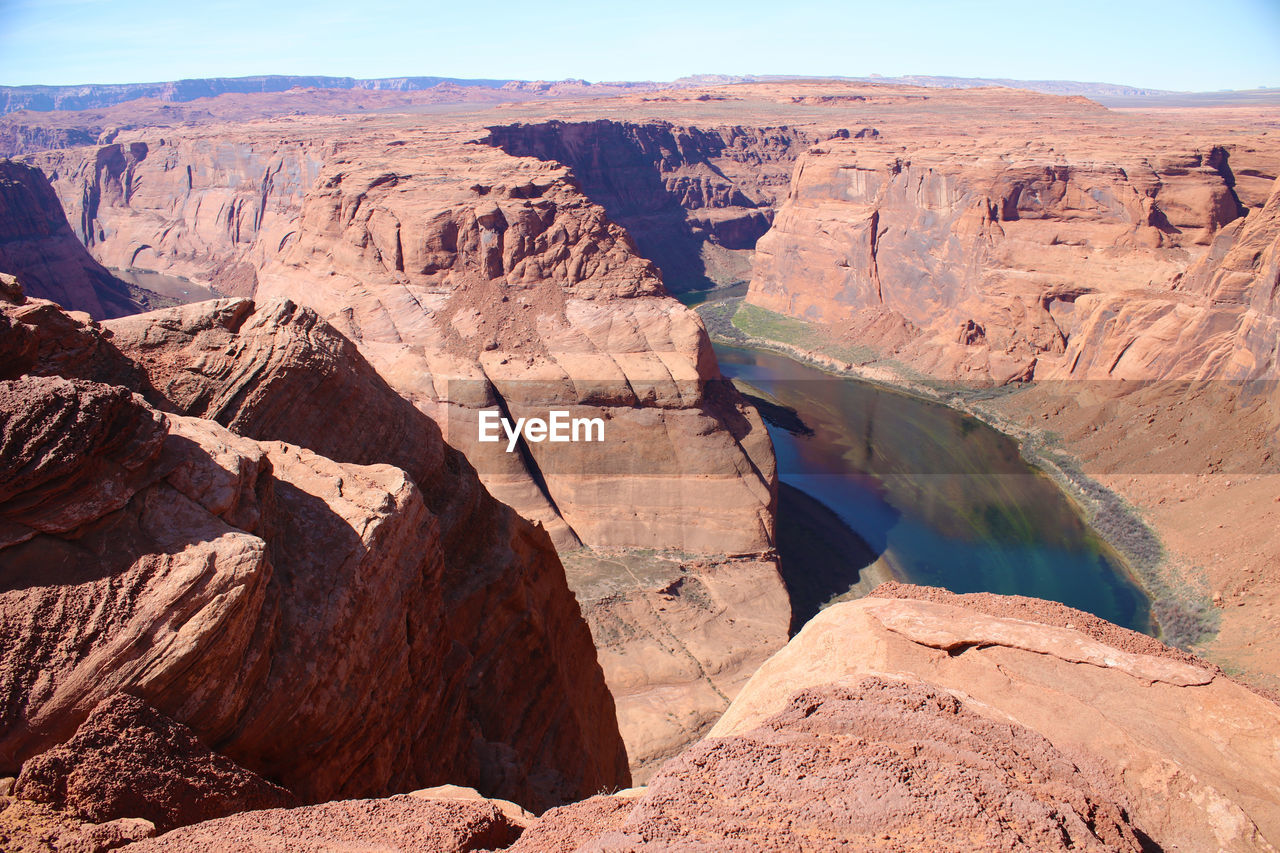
38, 247
127, 760
470, 279
876, 764
917, 719
518, 293
687, 195
1188, 749
207, 573
400, 823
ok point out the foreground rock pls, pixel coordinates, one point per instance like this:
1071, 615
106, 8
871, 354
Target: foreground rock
246, 562
920, 720
1189, 749
875, 764
129, 761
398, 823
27, 827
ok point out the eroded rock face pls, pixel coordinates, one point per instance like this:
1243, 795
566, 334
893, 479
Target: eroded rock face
681, 192
245, 562
1187, 747
127, 760
1004, 249
677, 642
1221, 322
231, 200
38, 246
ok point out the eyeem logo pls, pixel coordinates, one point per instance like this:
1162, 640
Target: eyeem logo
558, 427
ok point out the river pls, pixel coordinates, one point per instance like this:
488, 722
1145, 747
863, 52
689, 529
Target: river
938, 497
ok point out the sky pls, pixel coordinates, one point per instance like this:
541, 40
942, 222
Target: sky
1189, 45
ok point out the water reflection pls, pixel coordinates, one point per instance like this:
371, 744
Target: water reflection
947, 500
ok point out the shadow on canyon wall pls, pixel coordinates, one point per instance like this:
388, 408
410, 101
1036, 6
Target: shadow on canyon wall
821, 556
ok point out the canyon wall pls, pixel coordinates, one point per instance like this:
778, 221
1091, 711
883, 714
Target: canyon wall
38, 246
690, 197
1221, 320
472, 279
995, 263
209, 209
334, 623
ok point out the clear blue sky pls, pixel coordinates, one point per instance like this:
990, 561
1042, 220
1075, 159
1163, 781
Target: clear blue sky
1172, 44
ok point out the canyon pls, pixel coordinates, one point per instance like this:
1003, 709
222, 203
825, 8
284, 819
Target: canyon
293, 472
212, 556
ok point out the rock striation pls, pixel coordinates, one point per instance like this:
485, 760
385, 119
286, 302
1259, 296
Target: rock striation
206, 573
686, 195
38, 247
1011, 250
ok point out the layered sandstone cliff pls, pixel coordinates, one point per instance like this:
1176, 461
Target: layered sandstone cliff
196, 210
337, 625
472, 279
994, 260
38, 246
688, 196
1220, 321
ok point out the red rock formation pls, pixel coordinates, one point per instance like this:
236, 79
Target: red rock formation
37, 246
877, 764
1188, 749
1221, 322
402, 823
400, 247
469, 278
405, 244
129, 761
247, 562
675, 189
122, 200
27, 827
1010, 245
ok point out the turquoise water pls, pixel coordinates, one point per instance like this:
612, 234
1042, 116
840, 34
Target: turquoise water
945, 498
